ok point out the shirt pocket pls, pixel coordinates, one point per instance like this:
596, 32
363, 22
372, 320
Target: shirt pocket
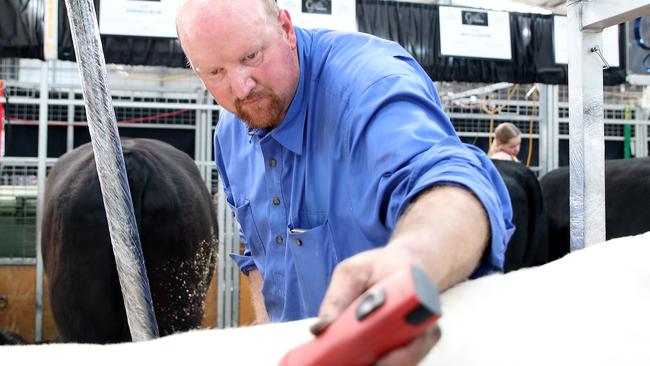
251, 236
314, 257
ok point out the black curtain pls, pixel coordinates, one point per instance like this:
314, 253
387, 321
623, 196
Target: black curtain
21, 28
415, 26
125, 50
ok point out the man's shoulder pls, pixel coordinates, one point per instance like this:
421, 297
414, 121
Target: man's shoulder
353, 61
362, 47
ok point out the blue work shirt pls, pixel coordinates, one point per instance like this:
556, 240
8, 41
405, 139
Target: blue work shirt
364, 134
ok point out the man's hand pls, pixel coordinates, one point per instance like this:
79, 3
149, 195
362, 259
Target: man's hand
354, 276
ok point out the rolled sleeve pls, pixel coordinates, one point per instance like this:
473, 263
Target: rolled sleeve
424, 151
244, 262
454, 163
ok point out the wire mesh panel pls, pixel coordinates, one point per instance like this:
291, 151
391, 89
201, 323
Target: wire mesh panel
172, 100
18, 194
8, 68
624, 121
161, 103
621, 106
485, 106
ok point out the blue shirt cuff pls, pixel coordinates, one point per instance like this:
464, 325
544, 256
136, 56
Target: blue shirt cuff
244, 262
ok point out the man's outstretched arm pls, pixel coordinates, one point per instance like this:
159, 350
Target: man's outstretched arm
256, 282
444, 231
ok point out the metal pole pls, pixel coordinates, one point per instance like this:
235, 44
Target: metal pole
50, 52
222, 257
111, 170
641, 148
41, 174
544, 129
198, 142
554, 125
209, 163
70, 129
232, 273
204, 138
235, 276
586, 132
586, 20
643, 145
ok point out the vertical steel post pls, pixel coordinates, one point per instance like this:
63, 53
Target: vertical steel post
586, 131
41, 175
70, 129
222, 257
641, 137
544, 129
554, 103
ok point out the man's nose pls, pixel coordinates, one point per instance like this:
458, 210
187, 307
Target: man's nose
241, 83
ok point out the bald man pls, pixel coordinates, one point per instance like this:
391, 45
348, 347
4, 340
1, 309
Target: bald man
339, 163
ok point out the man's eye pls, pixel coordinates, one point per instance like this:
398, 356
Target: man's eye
252, 56
218, 72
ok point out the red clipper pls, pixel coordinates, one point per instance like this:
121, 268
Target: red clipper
387, 316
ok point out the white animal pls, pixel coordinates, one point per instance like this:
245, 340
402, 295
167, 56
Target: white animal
591, 307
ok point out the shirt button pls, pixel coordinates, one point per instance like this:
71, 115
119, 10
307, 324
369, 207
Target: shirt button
276, 201
279, 239
298, 242
272, 163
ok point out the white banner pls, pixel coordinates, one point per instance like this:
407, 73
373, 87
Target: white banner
468, 32
561, 50
146, 18
51, 31
332, 14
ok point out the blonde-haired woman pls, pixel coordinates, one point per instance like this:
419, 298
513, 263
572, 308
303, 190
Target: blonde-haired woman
507, 142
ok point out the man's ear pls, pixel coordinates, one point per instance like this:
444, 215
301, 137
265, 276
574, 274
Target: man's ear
287, 26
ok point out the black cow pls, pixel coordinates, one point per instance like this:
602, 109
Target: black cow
529, 244
177, 225
627, 201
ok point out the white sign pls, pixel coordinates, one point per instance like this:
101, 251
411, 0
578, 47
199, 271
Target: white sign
468, 32
561, 47
152, 18
51, 31
331, 14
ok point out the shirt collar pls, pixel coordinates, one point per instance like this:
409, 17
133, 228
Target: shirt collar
259, 132
290, 132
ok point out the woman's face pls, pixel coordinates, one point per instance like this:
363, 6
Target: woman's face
512, 146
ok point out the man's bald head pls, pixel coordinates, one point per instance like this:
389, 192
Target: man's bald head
245, 53
189, 10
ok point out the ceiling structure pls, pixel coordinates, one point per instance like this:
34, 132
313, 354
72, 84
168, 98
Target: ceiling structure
557, 6
532, 6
